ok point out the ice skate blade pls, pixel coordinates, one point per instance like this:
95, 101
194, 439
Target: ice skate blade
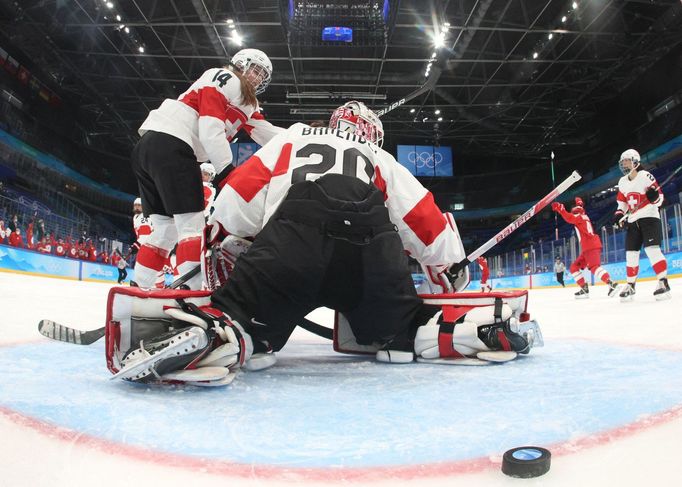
663, 296
583, 296
627, 299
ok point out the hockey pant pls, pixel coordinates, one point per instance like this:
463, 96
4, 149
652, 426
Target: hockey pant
331, 244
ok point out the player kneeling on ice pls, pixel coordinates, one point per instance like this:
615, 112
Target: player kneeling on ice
331, 215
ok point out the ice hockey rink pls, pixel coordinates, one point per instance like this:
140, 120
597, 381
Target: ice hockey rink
604, 395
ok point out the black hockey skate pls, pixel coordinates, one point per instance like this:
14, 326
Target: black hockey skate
612, 288
584, 292
167, 352
662, 292
628, 294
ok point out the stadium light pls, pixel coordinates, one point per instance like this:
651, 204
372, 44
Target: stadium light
118, 17
440, 119
550, 35
412, 110
110, 5
236, 38
437, 112
535, 55
141, 49
575, 5
230, 21
563, 19
127, 29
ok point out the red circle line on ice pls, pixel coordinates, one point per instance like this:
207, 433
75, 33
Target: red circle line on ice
403, 472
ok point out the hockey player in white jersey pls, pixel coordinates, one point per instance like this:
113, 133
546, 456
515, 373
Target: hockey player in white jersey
196, 127
639, 198
332, 215
207, 176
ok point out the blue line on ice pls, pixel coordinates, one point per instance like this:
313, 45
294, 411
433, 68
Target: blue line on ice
316, 408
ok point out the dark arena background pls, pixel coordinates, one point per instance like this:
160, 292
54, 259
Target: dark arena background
489, 105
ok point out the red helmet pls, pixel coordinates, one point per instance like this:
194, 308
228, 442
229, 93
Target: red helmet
356, 118
579, 207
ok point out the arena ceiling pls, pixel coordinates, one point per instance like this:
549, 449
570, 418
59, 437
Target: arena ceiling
520, 77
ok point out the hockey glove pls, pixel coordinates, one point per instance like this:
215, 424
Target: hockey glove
221, 178
652, 194
619, 221
558, 207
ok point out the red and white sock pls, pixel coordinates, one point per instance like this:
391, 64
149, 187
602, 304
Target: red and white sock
600, 273
632, 265
658, 262
579, 279
188, 253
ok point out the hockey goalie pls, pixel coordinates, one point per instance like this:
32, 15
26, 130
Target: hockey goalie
318, 217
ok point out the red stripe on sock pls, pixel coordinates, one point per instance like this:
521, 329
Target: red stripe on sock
632, 271
660, 266
151, 258
189, 250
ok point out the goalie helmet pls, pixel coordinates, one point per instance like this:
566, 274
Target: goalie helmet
255, 66
208, 169
356, 118
579, 207
629, 155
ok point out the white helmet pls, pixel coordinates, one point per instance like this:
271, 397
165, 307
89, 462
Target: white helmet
630, 155
207, 168
256, 67
138, 201
356, 118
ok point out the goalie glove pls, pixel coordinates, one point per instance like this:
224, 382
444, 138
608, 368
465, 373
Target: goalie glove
220, 253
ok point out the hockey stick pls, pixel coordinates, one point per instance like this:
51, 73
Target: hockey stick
429, 84
640, 205
62, 333
54, 330
509, 229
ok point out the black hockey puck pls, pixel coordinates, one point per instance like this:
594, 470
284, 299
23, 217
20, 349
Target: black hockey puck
526, 462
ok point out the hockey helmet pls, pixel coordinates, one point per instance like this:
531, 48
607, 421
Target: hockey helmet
356, 118
629, 155
207, 168
255, 66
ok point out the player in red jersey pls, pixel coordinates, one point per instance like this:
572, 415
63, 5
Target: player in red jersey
590, 249
485, 274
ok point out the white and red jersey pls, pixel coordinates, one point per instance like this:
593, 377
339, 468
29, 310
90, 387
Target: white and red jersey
632, 196
253, 191
209, 198
60, 249
142, 226
587, 237
208, 115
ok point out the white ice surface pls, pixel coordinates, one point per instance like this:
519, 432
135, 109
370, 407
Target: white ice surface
644, 334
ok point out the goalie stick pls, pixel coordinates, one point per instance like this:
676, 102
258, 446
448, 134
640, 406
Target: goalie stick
509, 229
62, 333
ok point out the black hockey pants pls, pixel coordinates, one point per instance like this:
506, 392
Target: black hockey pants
331, 244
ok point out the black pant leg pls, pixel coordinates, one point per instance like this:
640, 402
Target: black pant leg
276, 281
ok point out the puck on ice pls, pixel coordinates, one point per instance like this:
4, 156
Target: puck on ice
526, 462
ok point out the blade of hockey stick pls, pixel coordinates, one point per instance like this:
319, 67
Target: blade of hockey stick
62, 333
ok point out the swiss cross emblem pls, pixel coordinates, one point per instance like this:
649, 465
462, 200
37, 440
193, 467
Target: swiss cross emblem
633, 200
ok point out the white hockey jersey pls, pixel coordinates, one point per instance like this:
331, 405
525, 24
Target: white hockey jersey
254, 190
143, 227
207, 117
632, 196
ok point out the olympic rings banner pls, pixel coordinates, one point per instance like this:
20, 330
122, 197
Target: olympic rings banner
426, 160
